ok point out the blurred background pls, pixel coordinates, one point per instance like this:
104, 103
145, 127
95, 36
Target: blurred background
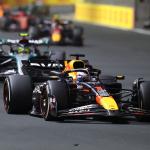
126, 14
91, 26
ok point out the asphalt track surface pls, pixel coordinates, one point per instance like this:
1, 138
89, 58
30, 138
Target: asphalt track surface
114, 52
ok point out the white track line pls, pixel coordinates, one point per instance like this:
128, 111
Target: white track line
142, 31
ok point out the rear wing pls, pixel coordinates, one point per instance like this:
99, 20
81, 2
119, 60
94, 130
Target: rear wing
43, 63
30, 42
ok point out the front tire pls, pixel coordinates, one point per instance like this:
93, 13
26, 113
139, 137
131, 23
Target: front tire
55, 99
144, 100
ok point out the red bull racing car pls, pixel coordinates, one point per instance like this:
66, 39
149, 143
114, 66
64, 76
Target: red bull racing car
58, 32
57, 88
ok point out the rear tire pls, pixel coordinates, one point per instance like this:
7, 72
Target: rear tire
78, 36
17, 94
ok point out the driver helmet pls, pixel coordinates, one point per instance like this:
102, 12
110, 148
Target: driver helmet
82, 76
23, 49
79, 75
24, 44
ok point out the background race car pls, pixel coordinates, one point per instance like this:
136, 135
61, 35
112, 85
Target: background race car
58, 31
13, 52
20, 18
15, 21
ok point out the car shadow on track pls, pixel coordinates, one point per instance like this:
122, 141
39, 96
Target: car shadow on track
106, 121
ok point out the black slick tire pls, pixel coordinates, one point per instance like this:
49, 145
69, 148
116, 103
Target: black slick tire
17, 94
56, 99
144, 100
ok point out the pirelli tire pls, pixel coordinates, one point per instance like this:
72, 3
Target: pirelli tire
17, 94
144, 100
11, 25
2, 22
56, 99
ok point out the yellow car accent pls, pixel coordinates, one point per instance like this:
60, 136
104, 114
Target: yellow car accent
23, 34
73, 75
56, 37
120, 77
107, 103
23, 50
20, 50
70, 64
